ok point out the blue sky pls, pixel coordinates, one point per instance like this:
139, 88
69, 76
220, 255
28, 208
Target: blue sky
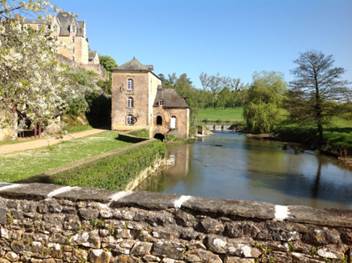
230, 37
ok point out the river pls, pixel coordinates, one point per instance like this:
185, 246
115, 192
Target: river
232, 166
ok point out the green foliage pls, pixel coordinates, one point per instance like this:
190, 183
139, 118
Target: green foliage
105, 85
262, 111
316, 90
114, 172
84, 81
108, 63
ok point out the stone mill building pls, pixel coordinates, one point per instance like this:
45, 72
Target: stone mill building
140, 102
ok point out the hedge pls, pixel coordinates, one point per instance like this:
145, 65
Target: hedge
113, 172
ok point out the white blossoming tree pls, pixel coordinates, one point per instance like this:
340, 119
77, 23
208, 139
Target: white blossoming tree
32, 81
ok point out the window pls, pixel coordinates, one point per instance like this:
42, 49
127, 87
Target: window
130, 119
159, 120
130, 102
130, 85
173, 122
161, 102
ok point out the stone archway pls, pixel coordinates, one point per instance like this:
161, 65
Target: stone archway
159, 136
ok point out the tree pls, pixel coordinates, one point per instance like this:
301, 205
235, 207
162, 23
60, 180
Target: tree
217, 83
108, 63
33, 84
316, 89
262, 109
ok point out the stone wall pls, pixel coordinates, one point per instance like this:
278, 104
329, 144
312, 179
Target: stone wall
49, 223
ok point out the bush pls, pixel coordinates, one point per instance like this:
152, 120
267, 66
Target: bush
114, 172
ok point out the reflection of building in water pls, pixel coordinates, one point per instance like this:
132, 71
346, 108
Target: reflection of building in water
180, 157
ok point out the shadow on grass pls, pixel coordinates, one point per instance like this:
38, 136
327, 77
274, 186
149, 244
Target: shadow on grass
129, 138
42, 178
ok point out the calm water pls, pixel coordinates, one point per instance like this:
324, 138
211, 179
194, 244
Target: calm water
231, 166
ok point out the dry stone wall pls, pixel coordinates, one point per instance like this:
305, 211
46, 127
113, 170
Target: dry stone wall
50, 223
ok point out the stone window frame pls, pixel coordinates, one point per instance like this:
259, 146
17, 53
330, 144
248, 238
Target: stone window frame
130, 120
173, 127
130, 102
130, 84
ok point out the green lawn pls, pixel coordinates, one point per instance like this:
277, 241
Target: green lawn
19, 166
218, 114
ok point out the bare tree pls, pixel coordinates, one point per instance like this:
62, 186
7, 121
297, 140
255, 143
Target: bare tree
215, 83
316, 89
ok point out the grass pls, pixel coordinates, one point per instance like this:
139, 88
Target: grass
337, 135
140, 133
20, 166
113, 172
78, 128
219, 114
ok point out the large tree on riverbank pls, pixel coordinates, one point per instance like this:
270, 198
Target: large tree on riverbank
316, 90
263, 105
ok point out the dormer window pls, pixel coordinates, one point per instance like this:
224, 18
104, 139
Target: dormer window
161, 103
130, 85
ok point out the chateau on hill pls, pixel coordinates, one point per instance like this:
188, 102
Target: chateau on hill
72, 37
140, 102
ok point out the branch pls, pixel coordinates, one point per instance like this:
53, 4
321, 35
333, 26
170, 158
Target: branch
6, 10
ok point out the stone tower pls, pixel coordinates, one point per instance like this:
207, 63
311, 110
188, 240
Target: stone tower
134, 88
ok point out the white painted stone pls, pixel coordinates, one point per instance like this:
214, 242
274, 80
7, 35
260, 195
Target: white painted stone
61, 190
11, 186
181, 200
117, 196
281, 212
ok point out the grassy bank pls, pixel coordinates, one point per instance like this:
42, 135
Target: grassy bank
20, 166
113, 172
337, 136
218, 114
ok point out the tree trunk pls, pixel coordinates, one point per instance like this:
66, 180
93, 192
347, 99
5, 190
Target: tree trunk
318, 111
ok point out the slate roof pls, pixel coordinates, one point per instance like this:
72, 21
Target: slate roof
169, 98
134, 65
65, 20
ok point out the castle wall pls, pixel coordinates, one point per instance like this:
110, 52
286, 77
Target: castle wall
51, 223
66, 47
81, 50
120, 95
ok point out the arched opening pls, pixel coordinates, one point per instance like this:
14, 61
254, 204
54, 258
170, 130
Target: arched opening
159, 120
173, 122
159, 136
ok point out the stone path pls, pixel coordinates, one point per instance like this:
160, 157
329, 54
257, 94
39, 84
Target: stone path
30, 145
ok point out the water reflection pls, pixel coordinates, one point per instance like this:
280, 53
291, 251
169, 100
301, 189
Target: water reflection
232, 166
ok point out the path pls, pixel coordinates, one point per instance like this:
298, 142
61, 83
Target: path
30, 145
